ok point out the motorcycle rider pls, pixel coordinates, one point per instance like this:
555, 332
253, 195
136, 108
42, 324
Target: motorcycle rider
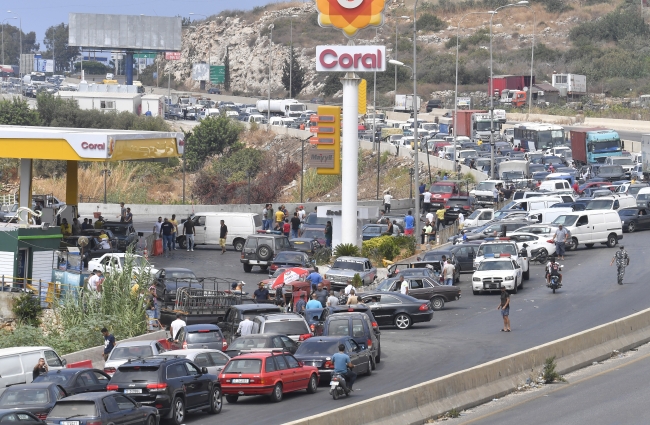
622, 260
343, 366
552, 269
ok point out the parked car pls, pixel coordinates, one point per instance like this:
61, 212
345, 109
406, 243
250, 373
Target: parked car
344, 269
260, 341
434, 104
292, 325
370, 231
634, 219
77, 380
464, 254
494, 273
307, 245
437, 254
213, 360
23, 417
286, 259
357, 326
109, 263
169, 280
131, 350
317, 352
235, 314
199, 336
272, 373
163, 383
424, 288
15, 360
102, 409
396, 309
36, 398
214, 90
260, 249
313, 233
456, 205
125, 233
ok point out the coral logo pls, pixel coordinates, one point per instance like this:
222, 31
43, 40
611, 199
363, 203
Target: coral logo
350, 15
350, 58
99, 146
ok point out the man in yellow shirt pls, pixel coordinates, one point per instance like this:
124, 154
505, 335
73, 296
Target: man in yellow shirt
175, 223
279, 216
66, 228
440, 217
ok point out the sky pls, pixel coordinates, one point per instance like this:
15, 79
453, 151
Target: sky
38, 15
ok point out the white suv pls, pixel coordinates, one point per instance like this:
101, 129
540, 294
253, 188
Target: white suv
496, 246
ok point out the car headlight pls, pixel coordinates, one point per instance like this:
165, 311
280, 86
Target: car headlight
509, 278
476, 279
476, 265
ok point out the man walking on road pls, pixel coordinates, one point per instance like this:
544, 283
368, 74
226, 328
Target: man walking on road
109, 343
409, 224
504, 306
560, 238
156, 226
427, 200
223, 234
440, 217
387, 199
328, 234
175, 232
295, 225
448, 270
622, 260
166, 231
188, 232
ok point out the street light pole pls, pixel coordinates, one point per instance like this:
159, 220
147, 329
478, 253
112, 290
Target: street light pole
415, 123
395, 53
20, 52
456, 97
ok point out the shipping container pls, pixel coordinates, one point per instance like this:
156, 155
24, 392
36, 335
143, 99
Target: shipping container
570, 84
593, 145
508, 82
464, 125
404, 103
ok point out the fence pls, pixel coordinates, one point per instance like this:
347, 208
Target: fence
46, 292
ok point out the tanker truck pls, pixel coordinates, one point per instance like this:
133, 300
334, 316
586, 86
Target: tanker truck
289, 108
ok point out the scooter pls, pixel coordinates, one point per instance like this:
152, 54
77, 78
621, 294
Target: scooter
554, 282
338, 386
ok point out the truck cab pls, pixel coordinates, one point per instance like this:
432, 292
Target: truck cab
443, 190
483, 192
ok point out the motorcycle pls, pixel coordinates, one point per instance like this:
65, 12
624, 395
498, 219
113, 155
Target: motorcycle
338, 386
554, 282
539, 256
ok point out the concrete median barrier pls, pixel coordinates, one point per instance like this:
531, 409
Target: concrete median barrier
477, 385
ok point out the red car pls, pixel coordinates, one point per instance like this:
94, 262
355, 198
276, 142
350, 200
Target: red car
588, 185
271, 373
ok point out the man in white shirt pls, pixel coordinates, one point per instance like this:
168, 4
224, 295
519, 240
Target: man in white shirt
93, 280
448, 270
157, 226
427, 200
348, 288
301, 213
461, 221
430, 217
387, 199
332, 301
104, 244
403, 286
245, 327
176, 326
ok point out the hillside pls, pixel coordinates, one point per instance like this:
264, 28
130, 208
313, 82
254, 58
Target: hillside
604, 40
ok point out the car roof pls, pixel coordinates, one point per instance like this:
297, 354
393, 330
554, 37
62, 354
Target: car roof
302, 240
200, 327
347, 314
325, 338
396, 294
67, 371
245, 307
140, 343
90, 396
488, 259
282, 316
352, 258
20, 350
267, 235
33, 385
187, 351
176, 269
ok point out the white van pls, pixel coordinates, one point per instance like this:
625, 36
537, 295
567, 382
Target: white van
555, 186
533, 204
643, 198
546, 216
590, 227
612, 202
17, 363
207, 228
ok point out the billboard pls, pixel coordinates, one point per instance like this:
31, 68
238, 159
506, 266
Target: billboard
201, 72
43, 65
217, 74
137, 32
350, 58
172, 56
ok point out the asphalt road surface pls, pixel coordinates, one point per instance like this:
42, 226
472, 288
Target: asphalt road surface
465, 334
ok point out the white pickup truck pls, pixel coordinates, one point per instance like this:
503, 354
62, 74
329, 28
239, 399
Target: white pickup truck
497, 246
483, 194
110, 263
479, 217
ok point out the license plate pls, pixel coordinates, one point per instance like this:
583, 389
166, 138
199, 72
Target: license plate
253, 261
127, 391
69, 423
239, 381
334, 383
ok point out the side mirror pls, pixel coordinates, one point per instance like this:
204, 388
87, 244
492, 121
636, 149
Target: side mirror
204, 370
141, 234
64, 362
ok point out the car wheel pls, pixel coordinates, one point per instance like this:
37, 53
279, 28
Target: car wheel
216, 401
182, 242
589, 245
631, 227
264, 252
514, 291
378, 356
573, 245
178, 411
313, 385
238, 244
232, 399
264, 268
248, 268
151, 420
437, 303
402, 321
276, 395
612, 240
370, 367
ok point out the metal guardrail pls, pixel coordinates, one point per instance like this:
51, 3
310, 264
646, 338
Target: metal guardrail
205, 301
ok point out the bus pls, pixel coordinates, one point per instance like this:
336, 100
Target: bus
538, 137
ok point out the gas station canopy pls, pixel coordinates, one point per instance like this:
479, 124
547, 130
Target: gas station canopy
76, 144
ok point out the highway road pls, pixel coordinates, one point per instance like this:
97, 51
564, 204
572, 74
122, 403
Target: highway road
466, 333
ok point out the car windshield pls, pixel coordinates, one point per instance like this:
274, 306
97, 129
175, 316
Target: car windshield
348, 265
565, 220
27, 396
287, 327
288, 257
385, 285
440, 188
123, 353
633, 190
247, 343
497, 248
457, 202
434, 256
622, 161
198, 337
314, 219
313, 234
301, 245
484, 185
338, 327
179, 275
314, 347
475, 214
131, 374
244, 366
66, 409
643, 197
495, 265
117, 230
600, 204
631, 212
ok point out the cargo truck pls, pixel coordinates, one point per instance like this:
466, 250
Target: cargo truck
594, 145
645, 156
404, 103
289, 108
464, 126
501, 83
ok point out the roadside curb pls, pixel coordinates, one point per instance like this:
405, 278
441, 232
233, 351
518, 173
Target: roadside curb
472, 387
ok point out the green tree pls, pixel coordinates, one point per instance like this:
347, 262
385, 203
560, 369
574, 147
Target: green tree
332, 83
239, 164
212, 137
93, 68
17, 112
12, 46
293, 74
226, 74
56, 43
429, 22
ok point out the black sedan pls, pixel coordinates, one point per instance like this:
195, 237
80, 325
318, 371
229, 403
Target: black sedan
102, 409
318, 351
634, 219
397, 309
371, 231
287, 259
423, 288
170, 279
22, 417
38, 398
252, 342
307, 245
464, 254
76, 380
436, 255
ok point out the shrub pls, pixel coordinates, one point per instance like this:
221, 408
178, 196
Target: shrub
27, 309
356, 281
346, 250
406, 243
383, 247
549, 373
429, 22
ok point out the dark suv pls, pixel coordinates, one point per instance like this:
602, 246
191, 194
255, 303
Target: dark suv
173, 385
456, 205
358, 326
200, 336
125, 233
434, 104
260, 249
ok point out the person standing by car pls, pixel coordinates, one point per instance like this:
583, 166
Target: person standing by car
328, 234
286, 227
188, 232
352, 298
622, 260
560, 238
315, 278
176, 326
279, 216
321, 294
295, 225
387, 199
343, 366
427, 200
122, 215
313, 303
245, 327
109, 343
409, 224
504, 306
448, 270
223, 234
301, 304
265, 214
332, 301
440, 217
156, 226
403, 285
261, 294
166, 231
128, 218
175, 232
39, 369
